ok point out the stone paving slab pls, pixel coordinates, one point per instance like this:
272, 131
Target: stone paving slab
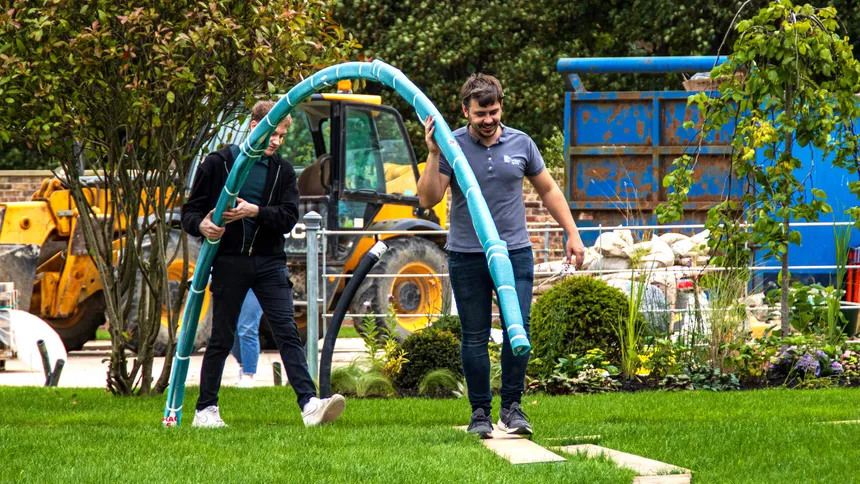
641, 465
516, 449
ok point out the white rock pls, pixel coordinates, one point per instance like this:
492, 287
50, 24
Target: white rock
660, 253
639, 250
701, 237
591, 256
682, 248
626, 236
671, 238
755, 300
610, 244
611, 264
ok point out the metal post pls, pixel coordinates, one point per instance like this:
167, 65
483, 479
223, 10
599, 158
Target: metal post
46, 362
55, 375
324, 278
276, 373
546, 243
312, 226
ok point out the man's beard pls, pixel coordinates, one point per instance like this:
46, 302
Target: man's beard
485, 131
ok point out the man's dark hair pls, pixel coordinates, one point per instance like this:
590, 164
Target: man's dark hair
484, 89
261, 109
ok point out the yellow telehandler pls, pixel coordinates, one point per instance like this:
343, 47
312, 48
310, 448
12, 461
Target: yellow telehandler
356, 168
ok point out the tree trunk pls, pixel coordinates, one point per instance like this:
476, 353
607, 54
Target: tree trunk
786, 226
785, 310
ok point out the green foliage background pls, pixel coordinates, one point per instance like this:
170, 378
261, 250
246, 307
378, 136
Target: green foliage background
439, 44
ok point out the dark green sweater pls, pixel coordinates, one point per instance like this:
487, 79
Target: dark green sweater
252, 192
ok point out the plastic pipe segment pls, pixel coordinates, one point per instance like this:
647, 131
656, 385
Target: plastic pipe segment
254, 146
364, 266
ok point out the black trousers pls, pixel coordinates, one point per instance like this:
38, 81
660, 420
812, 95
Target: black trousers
267, 276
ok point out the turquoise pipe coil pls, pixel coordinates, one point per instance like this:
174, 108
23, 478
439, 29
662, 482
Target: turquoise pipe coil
253, 147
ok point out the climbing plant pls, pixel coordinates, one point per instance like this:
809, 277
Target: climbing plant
789, 85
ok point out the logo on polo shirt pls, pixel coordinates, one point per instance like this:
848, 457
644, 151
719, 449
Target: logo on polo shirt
515, 161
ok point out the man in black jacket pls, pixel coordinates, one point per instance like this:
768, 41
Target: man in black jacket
251, 256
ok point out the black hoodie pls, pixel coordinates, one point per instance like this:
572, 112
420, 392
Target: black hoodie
278, 214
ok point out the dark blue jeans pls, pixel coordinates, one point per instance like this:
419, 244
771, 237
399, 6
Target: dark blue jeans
267, 276
473, 291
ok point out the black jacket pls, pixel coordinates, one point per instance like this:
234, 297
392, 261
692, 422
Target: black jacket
278, 213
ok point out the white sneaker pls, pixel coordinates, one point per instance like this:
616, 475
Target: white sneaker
246, 381
209, 417
327, 410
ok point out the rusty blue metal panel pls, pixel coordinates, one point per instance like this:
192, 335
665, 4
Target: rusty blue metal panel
620, 145
612, 123
602, 178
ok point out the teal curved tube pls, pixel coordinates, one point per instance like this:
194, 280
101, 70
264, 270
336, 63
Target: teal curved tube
253, 147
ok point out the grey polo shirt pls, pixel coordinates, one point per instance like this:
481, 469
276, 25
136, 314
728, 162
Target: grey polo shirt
499, 170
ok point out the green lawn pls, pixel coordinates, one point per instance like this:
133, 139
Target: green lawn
760, 436
348, 332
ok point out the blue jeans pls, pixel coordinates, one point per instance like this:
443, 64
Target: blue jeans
473, 291
246, 346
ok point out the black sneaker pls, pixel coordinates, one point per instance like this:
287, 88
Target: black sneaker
514, 421
481, 424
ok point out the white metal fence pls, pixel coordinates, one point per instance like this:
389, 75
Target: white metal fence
546, 229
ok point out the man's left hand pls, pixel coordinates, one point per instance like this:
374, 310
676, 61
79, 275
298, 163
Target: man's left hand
242, 210
575, 251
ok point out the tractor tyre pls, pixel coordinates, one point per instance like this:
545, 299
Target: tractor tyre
82, 325
410, 258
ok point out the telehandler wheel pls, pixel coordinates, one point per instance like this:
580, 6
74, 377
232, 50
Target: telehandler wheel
81, 326
412, 292
174, 274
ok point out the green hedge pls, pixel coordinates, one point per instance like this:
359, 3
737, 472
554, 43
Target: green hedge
449, 323
575, 316
427, 350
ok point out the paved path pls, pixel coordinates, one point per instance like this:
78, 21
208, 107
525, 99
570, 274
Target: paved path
86, 368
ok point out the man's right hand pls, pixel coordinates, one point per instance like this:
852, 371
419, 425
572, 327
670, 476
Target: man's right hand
429, 129
209, 229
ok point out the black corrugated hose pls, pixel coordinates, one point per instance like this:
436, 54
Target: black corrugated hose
364, 266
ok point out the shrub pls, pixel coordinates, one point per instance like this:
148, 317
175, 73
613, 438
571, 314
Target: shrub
591, 373
373, 384
344, 380
450, 323
573, 317
352, 381
428, 350
701, 377
439, 383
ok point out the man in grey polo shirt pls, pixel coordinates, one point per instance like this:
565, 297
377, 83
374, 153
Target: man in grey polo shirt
500, 157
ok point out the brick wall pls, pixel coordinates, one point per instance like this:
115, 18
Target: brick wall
19, 185
536, 216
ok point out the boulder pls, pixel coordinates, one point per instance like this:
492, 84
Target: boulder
670, 238
611, 244
652, 307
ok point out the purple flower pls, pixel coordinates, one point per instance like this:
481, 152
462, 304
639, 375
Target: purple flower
836, 367
808, 364
820, 354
